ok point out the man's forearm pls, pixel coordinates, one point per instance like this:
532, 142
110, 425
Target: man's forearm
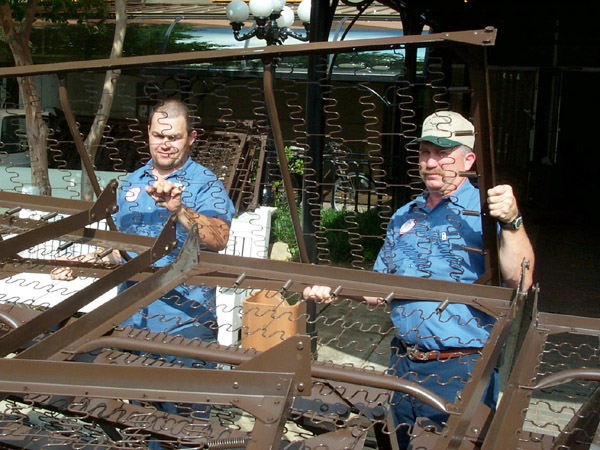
515, 247
213, 232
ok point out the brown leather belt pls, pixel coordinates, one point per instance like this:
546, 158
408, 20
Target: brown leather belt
414, 354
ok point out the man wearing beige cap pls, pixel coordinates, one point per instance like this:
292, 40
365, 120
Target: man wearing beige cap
430, 238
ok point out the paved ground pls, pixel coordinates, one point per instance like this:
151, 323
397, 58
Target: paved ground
567, 249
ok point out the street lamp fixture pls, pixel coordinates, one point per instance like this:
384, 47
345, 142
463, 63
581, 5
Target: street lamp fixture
272, 20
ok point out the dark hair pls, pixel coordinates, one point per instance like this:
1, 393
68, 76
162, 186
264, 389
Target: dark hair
173, 108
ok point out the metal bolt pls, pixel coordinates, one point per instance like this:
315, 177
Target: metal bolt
300, 345
236, 385
300, 387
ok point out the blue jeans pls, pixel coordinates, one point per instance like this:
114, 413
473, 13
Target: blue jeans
446, 378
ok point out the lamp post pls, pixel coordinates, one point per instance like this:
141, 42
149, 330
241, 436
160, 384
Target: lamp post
272, 20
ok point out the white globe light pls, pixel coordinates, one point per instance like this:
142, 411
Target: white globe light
237, 11
278, 5
304, 11
261, 8
286, 19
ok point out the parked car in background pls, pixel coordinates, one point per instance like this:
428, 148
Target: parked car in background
122, 147
14, 150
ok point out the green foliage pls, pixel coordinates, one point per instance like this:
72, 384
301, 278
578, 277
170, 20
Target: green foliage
73, 42
282, 226
344, 231
59, 11
147, 40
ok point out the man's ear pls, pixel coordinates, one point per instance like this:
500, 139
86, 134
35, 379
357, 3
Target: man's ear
192, 136
470, 160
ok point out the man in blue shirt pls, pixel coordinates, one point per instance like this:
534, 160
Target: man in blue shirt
170, 182
430, 238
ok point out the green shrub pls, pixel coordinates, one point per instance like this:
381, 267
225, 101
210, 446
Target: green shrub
282, 226
341, 230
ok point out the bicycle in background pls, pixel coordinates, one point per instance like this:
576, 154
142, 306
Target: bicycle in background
348, 175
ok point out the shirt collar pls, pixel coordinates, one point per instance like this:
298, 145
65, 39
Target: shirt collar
177, 173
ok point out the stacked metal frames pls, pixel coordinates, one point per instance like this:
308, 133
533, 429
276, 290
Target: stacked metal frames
74, 377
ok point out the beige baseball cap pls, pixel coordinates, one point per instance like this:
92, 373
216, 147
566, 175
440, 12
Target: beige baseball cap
448, 129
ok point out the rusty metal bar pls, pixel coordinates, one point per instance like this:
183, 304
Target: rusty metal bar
79, 144
458, 427
267, 431
490, 299
483, 37
564, 323
102, 208
224, 270
142, 383
283, 162
43, 203
566, 376
90, 236
584, 422
212, 352
83, 154
508, 421
245, 390
484, 148
65, 309
514, 398
87, 269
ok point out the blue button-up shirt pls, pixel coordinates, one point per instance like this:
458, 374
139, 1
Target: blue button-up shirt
185, 305
431, 244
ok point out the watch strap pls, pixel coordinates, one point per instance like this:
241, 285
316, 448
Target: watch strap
513, 225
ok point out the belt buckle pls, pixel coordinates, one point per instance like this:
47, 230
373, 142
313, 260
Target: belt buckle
416, 355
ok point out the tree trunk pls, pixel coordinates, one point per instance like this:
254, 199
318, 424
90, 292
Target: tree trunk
37, 136
37, 129
108, 92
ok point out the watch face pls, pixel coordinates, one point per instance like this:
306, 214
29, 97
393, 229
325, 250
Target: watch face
514, 225
518, 223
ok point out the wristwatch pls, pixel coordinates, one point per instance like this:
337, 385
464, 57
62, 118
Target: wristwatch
514, 225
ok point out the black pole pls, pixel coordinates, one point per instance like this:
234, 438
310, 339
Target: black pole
312, 198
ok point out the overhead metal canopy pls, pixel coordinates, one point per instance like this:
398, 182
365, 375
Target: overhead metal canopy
151, 10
